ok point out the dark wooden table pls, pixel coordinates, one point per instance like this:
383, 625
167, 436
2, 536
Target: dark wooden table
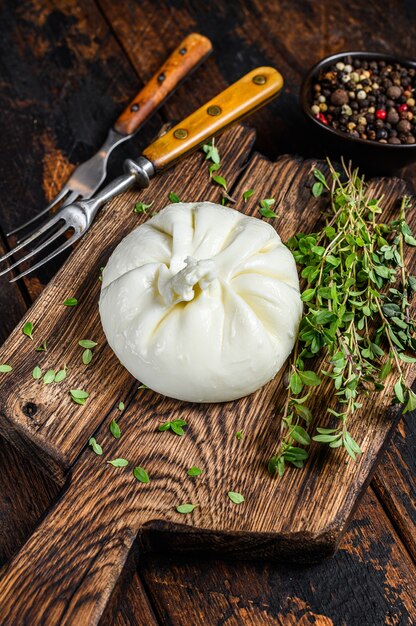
67, 68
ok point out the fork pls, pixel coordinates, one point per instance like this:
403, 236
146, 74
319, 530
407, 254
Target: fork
88, 176
248, 94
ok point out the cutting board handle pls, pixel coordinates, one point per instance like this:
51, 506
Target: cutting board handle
234, 103
70, 566
184, 59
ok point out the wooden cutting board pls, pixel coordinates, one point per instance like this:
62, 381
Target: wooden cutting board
72, 565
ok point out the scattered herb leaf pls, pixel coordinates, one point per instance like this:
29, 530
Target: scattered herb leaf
175, 426
60, 376
87, 343
247, 194
239, 434
141, 475
115, 429
220, 180
186, 508
42, 347
95, 446
141, 207
28, 330
79, 396
71, 302
265, 207
37, 372
87, 356
211, 152
121, 406
194, 471
49, 377
118, 462
173, 197
4, 368
235, 497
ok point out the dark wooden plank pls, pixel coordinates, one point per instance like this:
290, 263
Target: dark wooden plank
64, 82
394, 481
25, 494
288, 35
369, 581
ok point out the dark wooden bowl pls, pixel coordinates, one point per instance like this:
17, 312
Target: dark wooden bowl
372, 157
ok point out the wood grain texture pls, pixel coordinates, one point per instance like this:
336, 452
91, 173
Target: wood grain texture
394, 481
369, 582
110, 508
183, 60
55, 51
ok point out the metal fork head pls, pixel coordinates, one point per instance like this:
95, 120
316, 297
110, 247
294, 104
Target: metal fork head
73, 217
84, 181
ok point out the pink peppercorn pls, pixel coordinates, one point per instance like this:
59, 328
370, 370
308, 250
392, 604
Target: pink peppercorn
402, 107
381, 114
321, 117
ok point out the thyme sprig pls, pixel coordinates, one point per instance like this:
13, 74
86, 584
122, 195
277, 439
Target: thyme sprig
357, 316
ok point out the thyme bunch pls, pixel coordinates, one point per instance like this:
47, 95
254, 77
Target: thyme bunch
357, 316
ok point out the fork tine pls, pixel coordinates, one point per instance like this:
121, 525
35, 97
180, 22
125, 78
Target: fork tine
50, 256
71, 198
38, 249
35, 218
56, 218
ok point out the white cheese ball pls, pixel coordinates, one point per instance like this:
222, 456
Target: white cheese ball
201, 303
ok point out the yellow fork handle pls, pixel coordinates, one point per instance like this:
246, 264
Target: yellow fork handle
236, 102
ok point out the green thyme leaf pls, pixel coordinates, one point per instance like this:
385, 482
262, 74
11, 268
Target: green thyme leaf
49, 377
60, 376
194, 471
317, 189
220, 180
141, 207
175, 426
4, 368
118, 462
87, 343
141, 475
320, 177
37, 372
186, 508
310, 378
247, 194
239, 434
28, 330
265, 207
214, 167
115, 429
79, 396
173, 197
235, 497
411, 402
121, 406
211, 152
87, 356
95, 446
42, 347
71, 302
